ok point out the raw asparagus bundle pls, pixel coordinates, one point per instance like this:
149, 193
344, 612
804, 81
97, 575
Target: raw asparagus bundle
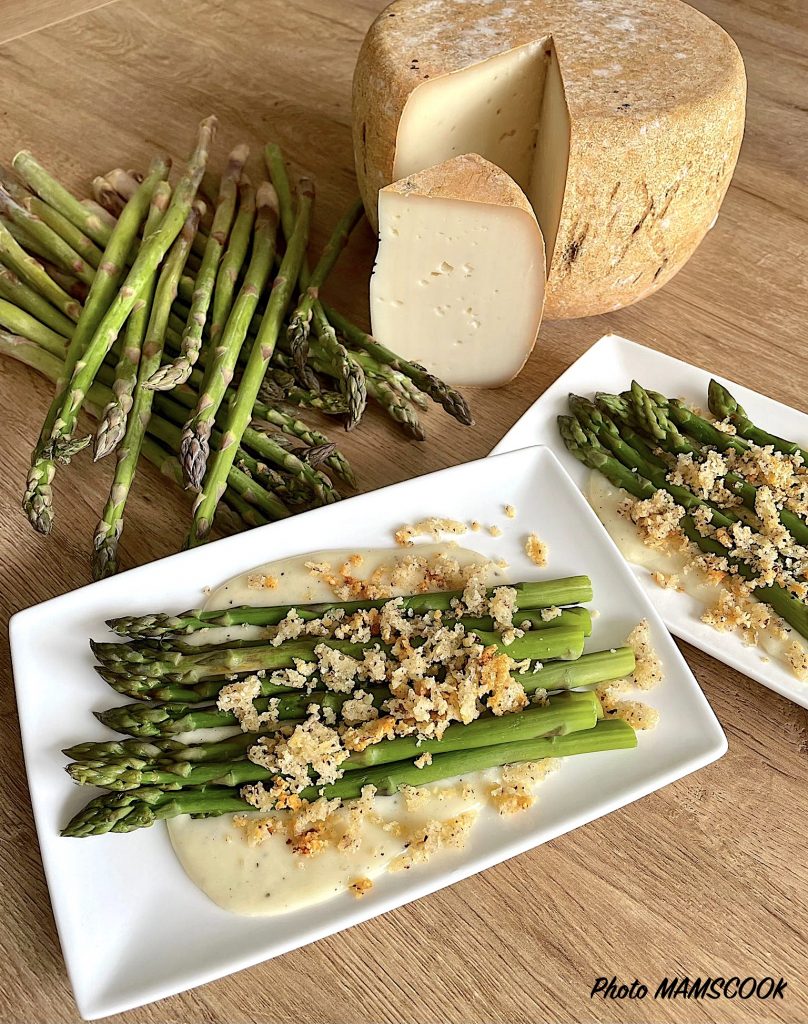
161, 445
72, 274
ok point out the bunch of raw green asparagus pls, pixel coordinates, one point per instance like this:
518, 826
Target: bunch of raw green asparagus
153, 775
634, 438
188, 321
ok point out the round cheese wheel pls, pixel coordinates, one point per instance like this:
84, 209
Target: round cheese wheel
620, 120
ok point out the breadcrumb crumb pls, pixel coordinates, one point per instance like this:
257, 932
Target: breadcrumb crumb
361, 886
536, 550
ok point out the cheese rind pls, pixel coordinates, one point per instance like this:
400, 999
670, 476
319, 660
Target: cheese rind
639, 131
459, 278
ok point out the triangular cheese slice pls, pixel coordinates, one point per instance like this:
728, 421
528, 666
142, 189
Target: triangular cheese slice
459, 278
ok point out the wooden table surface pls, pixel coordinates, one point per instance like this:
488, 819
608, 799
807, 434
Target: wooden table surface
706, 877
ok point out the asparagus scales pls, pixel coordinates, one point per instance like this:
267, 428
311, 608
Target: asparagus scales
58, 445
241, 408
178, 371
107, 535
112, 425
37, 500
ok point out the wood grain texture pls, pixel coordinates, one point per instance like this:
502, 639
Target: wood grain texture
706, 877
20, 17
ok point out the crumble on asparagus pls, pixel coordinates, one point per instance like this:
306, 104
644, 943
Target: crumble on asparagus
715, 489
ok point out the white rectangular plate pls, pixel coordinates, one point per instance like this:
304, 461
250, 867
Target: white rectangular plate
133, 927
610, 365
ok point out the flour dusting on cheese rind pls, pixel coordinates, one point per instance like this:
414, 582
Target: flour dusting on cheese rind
637, 105
459, 278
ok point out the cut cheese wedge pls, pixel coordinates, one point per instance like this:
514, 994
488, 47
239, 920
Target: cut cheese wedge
620, 119
459, 278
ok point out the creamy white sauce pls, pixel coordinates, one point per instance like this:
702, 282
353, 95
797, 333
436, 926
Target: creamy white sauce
606, 500
269, 878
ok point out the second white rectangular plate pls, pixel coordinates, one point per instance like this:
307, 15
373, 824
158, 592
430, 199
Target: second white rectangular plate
610, 365
133, 927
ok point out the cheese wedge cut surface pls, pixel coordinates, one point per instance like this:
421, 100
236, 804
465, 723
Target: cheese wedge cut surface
459, 278
620, 119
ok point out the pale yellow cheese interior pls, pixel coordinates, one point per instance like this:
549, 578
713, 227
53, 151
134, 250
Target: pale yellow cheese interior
510, 109
458, 285
491, 108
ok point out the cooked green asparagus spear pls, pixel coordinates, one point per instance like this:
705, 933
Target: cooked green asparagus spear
140, 808
151, 718
141, 671
724, 407
570, 713
568, 590
587, 449
668, 438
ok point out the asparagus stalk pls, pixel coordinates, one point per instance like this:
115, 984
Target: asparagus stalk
37, 501
156, 719
300, 322
233, 260
451, 400
311, 437
568, 590
195, 446
50, 365
177, 676
149, 256
178, 371
562, 716
19, 294
247, 513
241, 409
112, 425
106, 196
279, 386
570, 712
31, 271
108, 531
140, 808
73, 236
668, 437
724, 407
62, 254
349, 375
84, 217
17, 321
